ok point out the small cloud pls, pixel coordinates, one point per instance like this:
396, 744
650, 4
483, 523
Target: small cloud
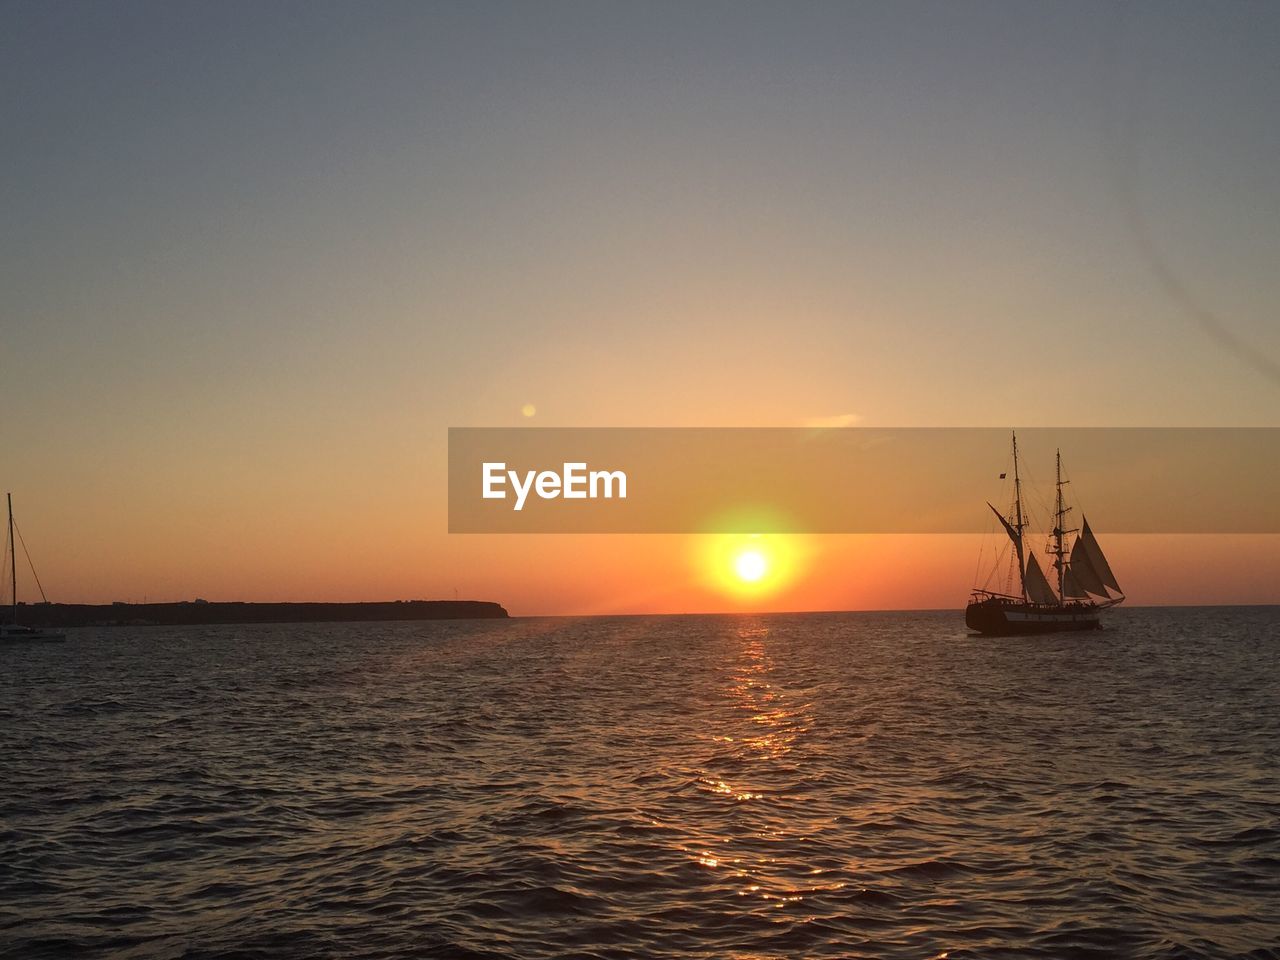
839, 420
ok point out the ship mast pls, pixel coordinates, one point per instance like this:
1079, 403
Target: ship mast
13, 560
1018, 521
1059, 550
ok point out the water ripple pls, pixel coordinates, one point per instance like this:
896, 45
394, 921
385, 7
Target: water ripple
873, 785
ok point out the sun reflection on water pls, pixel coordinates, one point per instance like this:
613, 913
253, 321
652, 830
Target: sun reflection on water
751, 765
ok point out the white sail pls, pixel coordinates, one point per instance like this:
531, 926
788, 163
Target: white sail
1008, 527
1070, 587
1038, 588
1015, 536
1086, 578
1096, 559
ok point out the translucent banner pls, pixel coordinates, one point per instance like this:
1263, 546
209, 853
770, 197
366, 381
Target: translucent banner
858, 480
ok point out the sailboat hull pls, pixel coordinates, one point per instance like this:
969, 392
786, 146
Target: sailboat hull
16, 634
1001, 617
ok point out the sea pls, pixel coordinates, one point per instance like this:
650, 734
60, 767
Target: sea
880, 785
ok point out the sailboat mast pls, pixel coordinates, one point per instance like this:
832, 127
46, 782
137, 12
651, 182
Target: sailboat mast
1017, 499
1058, 531
13, 560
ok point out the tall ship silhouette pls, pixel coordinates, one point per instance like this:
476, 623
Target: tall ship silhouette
1030, 604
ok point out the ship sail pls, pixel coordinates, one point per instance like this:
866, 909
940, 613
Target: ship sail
1071, 588
1014, 536
1038, 588
1008, 528
1083, 573
1096, 559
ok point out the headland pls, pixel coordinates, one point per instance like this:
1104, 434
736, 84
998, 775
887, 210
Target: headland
201, 612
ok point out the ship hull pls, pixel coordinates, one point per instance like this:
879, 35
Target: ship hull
998, 617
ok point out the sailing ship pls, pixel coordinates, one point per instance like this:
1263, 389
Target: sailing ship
14, 632
1085, 583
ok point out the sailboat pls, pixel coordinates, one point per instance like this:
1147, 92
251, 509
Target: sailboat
1085, 583
14, 632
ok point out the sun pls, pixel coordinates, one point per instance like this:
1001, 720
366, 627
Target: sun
751, 565
750, 568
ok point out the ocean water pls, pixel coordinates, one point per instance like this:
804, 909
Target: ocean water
826, 785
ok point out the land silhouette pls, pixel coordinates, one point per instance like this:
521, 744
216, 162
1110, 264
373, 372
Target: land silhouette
200, 612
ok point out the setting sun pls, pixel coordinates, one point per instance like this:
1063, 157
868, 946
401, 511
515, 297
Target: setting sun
751, 565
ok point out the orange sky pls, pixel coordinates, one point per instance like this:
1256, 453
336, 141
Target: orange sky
255, 266
363, 517
585, 574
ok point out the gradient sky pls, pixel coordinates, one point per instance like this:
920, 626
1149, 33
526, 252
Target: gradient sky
258, 257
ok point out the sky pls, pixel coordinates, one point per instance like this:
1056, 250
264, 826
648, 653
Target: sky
259, 257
